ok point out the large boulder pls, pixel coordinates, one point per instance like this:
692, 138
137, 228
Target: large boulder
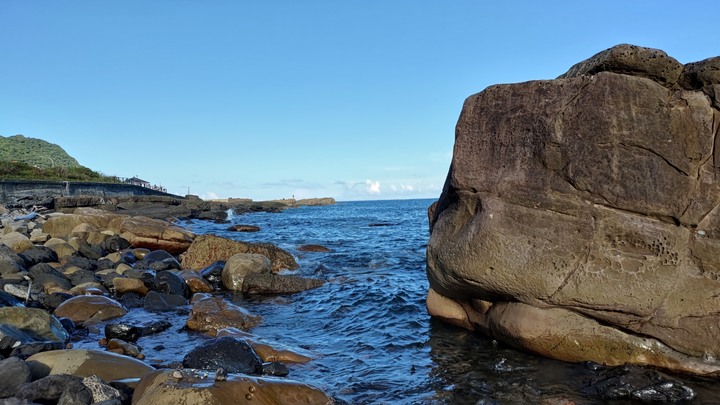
168, 387
153, 234
597, 195
89, 309
85, 363
207, 249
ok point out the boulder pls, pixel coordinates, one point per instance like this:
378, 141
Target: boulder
60, 247
168, 387
60, 389
10, 262
17, 242
35, 322
89, 309
153, 234
161, 302
85, 363
212, 314
62, 225
13, 373
207, 249
239, 265
195, 282
594, 194
232, 355
124, 285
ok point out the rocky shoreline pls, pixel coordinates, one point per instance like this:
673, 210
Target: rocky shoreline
65, 275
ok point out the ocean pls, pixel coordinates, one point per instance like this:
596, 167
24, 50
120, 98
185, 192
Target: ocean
368, 329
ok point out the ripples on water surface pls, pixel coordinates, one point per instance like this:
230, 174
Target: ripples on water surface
368, 328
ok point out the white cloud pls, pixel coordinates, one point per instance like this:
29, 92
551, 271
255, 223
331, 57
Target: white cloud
209, 196
372, 187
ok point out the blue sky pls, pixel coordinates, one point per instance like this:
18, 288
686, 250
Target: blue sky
270, 99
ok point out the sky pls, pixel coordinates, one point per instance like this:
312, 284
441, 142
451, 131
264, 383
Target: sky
355, 100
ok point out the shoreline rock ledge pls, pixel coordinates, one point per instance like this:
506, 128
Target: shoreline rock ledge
580, 218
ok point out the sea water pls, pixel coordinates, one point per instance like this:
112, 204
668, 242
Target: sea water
367, 329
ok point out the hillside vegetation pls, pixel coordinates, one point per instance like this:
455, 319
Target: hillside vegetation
23, 158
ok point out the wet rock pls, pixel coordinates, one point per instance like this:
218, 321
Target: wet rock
157, 256
207, 249
162, 388
212, 314
61, 389
37, 323
105, 264
124, 285
26, 350
233, 355
239, 265
122, 331
161, 302
120, 346
195, 282
115, 243
640, 384
275, 369
266, 352
169, 282
84, 363
131, 300
154, 327
88, 309
213, 274
167, 264
259, 283
243, 228
38, 254
313, 248
13, 373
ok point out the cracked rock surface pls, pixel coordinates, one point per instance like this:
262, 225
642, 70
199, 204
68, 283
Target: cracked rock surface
593, 198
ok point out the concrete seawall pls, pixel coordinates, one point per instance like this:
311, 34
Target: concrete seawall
14, 190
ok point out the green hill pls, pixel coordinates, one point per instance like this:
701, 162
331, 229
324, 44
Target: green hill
24, 158
34, 152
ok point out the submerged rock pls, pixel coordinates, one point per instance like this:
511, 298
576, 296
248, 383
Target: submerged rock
263, 283
639, 384
212, 314
594, 194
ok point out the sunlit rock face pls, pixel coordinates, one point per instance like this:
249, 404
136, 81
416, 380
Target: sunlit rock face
595, 195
